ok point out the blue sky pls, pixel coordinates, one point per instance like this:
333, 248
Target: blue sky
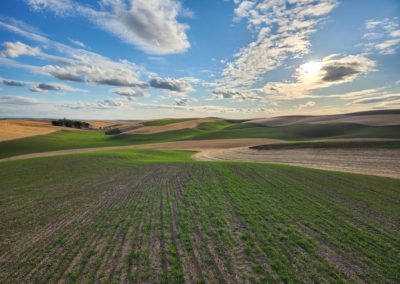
143, 59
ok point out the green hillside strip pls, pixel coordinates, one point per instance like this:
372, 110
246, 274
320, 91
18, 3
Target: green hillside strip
156, 216
332, 145
88, 139
163, 122
219, 129
304, 132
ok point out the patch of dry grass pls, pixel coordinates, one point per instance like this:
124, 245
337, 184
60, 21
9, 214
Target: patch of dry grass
15, 129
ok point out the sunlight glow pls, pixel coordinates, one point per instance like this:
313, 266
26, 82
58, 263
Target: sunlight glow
311, 68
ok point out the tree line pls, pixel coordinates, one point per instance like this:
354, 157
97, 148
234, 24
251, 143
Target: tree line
71, 123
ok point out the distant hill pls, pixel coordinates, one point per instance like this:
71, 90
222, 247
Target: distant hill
368, 118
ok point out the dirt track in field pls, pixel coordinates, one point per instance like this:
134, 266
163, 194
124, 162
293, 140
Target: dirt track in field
381, 162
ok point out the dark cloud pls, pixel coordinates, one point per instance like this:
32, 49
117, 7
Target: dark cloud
182, 102
45, 87
236, 95
338, 73
175, 85
13, 83
129, 93
67, 76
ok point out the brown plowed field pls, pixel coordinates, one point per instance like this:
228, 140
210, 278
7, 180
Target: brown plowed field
381, 162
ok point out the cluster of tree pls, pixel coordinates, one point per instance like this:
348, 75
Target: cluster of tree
71, 123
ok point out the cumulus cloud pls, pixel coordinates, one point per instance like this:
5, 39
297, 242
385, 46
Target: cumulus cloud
13, 83
76, 65
128, 93
244, 9
150, 25
382, 35
173, 85
16, 49
283, 30
97, 70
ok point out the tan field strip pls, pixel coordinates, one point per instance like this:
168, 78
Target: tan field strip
102, 123
15, 129
169, 127
380, 162
368, 120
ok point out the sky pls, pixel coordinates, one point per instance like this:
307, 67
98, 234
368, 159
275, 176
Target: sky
147, 59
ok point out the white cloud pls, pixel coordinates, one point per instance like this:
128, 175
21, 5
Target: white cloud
97, 70
359, 94
379, 99
18, 100
283, 30
388, 46
308, 104
102, 104
244, 9
382, 35
77, 43
183, 106
16, 49
150, 25
76, 64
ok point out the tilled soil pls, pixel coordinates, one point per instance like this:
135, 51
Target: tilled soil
193, 223
381, 162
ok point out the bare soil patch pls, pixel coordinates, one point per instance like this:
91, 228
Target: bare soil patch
381, 162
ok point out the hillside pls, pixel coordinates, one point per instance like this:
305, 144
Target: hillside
136, 133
